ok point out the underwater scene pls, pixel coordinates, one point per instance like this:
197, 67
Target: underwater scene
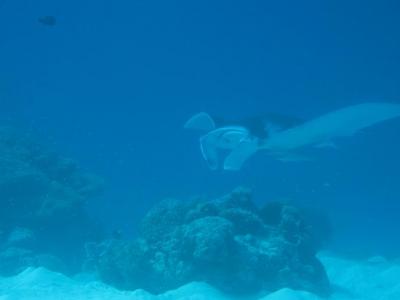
224, 150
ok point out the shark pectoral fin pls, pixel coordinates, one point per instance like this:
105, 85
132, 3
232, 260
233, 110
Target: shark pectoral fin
240, 154
208, 147
200, 121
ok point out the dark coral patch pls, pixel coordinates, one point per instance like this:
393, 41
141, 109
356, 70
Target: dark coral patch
228, 243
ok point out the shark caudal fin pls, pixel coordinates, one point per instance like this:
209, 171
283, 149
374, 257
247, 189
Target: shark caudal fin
201, 121
238, 155
232, 138
208, 147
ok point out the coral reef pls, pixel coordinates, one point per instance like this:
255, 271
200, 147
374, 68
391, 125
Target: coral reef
228, 243
42, 214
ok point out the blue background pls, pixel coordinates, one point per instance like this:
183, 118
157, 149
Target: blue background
114, 81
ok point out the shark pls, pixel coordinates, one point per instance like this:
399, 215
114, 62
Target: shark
280, 136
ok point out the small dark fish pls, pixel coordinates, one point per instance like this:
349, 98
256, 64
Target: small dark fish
117, 234
48, 20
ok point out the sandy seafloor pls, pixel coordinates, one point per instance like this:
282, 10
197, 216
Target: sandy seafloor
373, 279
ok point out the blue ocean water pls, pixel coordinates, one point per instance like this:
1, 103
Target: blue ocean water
112, 83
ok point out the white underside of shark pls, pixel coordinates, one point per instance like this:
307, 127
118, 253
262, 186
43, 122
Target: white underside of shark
283, 144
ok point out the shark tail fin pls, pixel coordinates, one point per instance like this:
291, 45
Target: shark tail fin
237, 157
201, 121
209, 150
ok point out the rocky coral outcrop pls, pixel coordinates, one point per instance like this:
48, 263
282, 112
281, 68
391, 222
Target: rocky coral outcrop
228, 243
42, 203
37, 185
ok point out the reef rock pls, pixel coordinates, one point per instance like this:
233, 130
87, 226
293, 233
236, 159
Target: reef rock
15, 260
228, 243
42, 202
37, 185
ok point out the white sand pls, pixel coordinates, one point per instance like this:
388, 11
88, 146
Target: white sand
375, 279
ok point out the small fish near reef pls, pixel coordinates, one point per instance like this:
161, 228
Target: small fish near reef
48, 21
